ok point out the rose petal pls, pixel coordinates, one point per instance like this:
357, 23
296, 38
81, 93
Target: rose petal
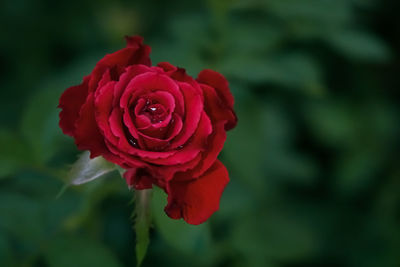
178, 74
135, 53
103, 109
208, 156
142, 85
126, 77
195, 201
138, 178
167, 172
149, 82
216, 109
194, 109
123, 145
87, 134
162, 97
167, 67
190, 150
71, 102
159, 139
217, 81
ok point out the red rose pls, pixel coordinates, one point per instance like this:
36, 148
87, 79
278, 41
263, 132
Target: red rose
158, 123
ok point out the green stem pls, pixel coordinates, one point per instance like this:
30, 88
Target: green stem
142, 222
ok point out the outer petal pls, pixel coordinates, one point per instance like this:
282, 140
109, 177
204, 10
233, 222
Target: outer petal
71, 102
217, 109
87, 134
76, 117
215, 144
197, 200
218, 98
178, 74
103, 107
218, 81
135, 53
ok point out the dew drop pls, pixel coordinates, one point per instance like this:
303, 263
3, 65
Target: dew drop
133, 142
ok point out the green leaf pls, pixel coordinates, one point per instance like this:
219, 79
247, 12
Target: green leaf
142, 223
86, 169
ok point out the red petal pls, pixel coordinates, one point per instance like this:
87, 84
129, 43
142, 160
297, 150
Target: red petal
135, 53
167, 172
197, 200
162, 97
87, 134
217, 81
126, 77
167, 67
194, 109
216, 109
138, 178
125, 149
195, 145
215, 144
71, 102
156, 142
151, 81
103, 109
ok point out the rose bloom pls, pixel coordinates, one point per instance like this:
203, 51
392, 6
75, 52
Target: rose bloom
161, 125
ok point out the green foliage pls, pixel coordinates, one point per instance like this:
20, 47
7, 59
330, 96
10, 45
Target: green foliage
38, 128
142, 223
359, 45
12, 154
313, 161
77, 251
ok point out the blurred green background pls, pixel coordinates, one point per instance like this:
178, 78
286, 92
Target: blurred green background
314, 166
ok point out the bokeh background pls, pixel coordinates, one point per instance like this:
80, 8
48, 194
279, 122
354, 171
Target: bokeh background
314, 166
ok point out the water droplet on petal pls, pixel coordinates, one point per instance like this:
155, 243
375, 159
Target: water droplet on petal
133, 142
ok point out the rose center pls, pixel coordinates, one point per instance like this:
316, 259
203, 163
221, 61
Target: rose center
154, 111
